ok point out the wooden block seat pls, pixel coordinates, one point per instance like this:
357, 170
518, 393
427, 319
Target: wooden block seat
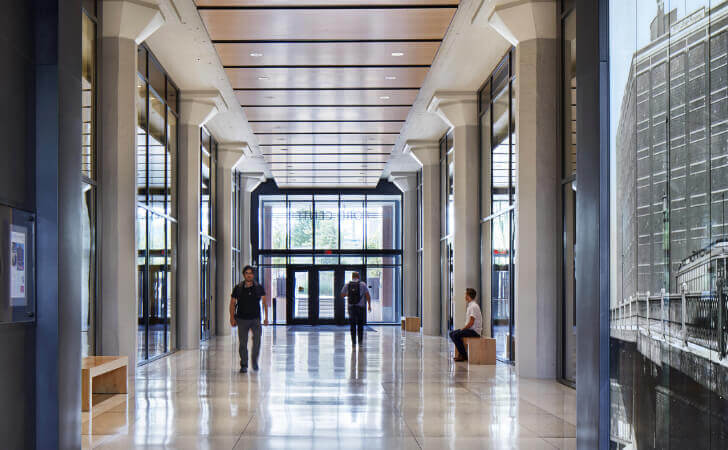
412, 324
404, 321
481, 350
103, 384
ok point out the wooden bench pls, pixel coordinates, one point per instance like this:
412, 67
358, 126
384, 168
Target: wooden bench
103, 384
404, 321
481, 350
412, 324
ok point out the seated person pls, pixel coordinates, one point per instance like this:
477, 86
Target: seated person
473, 326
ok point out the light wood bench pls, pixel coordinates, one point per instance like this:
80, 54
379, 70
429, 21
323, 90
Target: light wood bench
412, 324
481, 350
404, 321
103, 384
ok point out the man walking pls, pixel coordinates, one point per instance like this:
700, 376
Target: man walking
245, 313
473, 326
357, 293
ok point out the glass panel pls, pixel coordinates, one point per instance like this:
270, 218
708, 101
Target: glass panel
141, 246
142, 61
668, 153
300, 295
485, 161
268, 260
205, 191
88, 269
171, 166
301, 215
157, 285
171, 284
569, 283
156, 78
352, 224
500, 154
327, 223
274, 222
326, 294
141, 160
157, 154
513, 146
172, 95
274, 282
450, 192
321, 260
88, 96
306, 259
382, 222
569, 91
384, 260
350, 260
501, 283
383, 283
206, 255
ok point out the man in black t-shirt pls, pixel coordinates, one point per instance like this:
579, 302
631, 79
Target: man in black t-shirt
245, 313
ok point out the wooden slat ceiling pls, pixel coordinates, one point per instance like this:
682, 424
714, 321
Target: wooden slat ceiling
326, 84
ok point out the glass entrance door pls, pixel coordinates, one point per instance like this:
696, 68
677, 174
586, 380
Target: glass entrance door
313, 294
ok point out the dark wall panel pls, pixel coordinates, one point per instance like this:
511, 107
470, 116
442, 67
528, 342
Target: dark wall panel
16, 389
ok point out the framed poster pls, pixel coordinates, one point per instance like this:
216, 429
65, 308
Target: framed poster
18, 256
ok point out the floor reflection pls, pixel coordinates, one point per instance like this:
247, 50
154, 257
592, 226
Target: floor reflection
315, 391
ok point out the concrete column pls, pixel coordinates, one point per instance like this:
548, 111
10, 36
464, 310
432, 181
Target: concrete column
228, 156
125, 25
251, 180
460, 111
538, 197
196, 108
407, 183
426, 153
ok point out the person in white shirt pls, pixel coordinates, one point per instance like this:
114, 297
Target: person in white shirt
473, 327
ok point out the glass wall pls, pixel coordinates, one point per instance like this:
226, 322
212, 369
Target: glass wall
333, 229
89, 177
447, 226
208, 173
497, 121
420, 243
568, 191
669, 158
157, 117
237, 209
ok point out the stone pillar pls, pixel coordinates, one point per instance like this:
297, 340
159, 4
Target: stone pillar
228, 156
407, 183
426, 153
196, 108
251, 180
460, 111
125, 24
538, 181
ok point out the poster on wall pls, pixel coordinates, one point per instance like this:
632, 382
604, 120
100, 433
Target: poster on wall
17, 268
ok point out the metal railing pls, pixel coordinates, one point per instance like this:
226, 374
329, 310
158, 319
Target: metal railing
693, 317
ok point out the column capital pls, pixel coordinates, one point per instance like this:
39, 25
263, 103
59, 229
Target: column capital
456, 108
426, 153
252, 180
518, 20
405, 181
198, 107
131, 19
229, 155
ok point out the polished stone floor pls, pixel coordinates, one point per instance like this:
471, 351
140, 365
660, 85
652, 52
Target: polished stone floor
401, 390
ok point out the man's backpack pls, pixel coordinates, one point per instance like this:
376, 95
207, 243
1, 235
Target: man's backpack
354, 294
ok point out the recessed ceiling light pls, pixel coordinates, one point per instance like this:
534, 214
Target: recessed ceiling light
280, 139
256, 55
269, 97
384, 97
262, 78
397, 54
390, 77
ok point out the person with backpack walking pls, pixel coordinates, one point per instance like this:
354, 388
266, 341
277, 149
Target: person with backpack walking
245, 313
357, 295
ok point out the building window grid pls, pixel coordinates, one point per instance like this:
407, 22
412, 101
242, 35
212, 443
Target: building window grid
161, 343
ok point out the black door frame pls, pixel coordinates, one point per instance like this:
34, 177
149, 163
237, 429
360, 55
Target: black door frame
313, 290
